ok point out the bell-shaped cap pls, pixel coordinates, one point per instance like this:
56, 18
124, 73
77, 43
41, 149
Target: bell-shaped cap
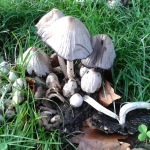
50, 17
47, 20
38, 62
103, 54
69, 38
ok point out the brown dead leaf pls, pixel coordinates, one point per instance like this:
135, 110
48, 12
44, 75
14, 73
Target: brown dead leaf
31, 82
97, 140
107, 95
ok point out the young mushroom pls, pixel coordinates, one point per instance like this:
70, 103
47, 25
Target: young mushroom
38, 62
69, 88
83, 70
91, 81
103, 56
4, 67
76, 100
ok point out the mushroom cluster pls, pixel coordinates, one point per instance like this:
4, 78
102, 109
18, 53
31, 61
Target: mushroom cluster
81, 58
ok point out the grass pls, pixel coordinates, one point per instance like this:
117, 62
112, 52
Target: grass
128, 28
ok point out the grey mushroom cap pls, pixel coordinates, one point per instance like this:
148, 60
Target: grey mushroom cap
38, 62
69, 38
103, 54
49, 18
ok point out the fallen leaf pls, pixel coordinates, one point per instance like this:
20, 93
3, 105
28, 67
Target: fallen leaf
97, 140
107, 95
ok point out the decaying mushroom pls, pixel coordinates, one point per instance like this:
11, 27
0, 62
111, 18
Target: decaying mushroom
38, 62
50, 93
52, 82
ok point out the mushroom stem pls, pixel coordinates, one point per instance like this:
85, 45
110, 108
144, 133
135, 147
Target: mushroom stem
99, 107
129, 107
70, 69
63, 66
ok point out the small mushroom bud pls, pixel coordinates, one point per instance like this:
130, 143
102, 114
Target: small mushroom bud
76, 100
7, 87
91, 81
19, 84
4, 67
83, 70
53, 82
13, 76
18, 98
69, 88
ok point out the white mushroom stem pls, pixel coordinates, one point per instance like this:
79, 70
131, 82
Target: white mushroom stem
70, 69
63, 66
99, 107
129, 107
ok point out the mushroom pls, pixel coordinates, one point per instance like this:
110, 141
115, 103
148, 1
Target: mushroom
13, 76
69, 88
91, 81
103, 56
4, 68
70, 39
83, 70
17, 98
43, 25
53, 82
76, 100
38, 62
48, 19
19, 84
